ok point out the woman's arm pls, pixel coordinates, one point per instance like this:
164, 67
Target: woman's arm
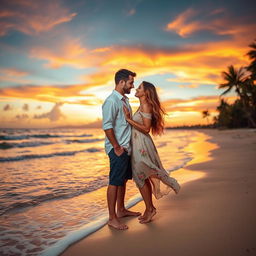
145, 127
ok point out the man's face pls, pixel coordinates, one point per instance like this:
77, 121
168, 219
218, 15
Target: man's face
128, 85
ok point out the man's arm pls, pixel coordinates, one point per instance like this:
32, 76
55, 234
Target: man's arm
112, 138
109, 110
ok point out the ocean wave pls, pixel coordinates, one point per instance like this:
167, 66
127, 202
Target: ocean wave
187, 158
43, 136
8, 145
83, 141
65, 193
35, 156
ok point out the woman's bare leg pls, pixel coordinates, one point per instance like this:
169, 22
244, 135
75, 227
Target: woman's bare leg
146, 192
149, 188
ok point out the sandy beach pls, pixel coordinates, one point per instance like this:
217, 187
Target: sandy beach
212, 215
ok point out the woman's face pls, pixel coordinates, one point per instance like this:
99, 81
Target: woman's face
140, 91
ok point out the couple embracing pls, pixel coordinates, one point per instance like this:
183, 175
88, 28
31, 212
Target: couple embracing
131, 150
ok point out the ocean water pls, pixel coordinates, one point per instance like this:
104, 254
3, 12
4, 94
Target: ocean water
53, 185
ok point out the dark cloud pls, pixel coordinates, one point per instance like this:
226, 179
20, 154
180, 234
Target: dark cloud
7, 107
25, 107
54, 115
22, 116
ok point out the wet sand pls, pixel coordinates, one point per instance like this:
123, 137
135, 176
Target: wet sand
212, 215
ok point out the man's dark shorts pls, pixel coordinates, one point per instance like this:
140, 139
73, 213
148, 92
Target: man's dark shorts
120, 168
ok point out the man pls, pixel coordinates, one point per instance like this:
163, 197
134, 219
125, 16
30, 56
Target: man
117, 146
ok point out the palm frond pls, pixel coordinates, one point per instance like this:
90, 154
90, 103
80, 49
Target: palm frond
225, 92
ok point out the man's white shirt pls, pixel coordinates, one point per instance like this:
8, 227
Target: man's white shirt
113, 117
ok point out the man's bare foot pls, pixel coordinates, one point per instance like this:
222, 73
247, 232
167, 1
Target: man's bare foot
144, 216
115, 223
127, 213
148, 215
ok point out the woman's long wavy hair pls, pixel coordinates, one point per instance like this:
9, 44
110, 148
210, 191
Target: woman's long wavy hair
157, 110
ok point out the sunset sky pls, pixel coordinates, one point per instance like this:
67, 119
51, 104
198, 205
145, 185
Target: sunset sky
58, 58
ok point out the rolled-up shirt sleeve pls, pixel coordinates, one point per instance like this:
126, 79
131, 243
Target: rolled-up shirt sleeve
109, 111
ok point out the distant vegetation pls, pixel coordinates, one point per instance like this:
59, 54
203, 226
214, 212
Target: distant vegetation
242, 113
191, 127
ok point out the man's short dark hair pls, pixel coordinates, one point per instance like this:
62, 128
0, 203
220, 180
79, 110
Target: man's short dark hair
123, 74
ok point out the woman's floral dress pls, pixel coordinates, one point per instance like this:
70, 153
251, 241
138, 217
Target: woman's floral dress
147, 164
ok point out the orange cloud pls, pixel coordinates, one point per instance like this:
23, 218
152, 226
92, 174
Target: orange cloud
180, 25
99, 78
13, 75
104, 49
69, 53
188, 85
187, 23
32, 17
189, 112
55, 94
196, 104
195, 65
200, 64
14, 72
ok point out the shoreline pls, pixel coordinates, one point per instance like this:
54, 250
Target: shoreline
183, 175
212, 215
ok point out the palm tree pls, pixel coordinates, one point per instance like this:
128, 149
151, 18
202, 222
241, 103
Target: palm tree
252, 84
239, 79
206, 115
224, 118
234, 78
252, 56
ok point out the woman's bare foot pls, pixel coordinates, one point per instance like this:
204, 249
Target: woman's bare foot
115, 223
144, 216
147, 216
127, 213
141, 217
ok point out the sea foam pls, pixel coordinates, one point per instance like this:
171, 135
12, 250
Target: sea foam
84, 231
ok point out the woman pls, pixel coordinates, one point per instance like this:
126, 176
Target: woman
148, 172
